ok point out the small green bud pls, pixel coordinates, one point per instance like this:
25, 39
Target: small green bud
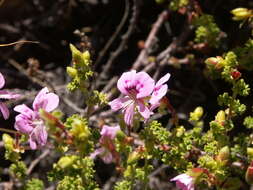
180, 131
86, 55
223, 155
241, 13
196, 114
216, 62
133, 157
72, 72
220, 117
8, 141
80, 130
250, 152
67, 161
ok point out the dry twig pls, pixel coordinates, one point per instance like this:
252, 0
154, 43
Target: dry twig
114, 35
123, 43
150, 40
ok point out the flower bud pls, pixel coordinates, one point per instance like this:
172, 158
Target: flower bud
241, 13
249, 174
72, 72
220, 117
250, 152
196, 114
80, 130
67, 161
133, 157
180, 131
86, 55
236, 74
8, 141
217, 62
223, 155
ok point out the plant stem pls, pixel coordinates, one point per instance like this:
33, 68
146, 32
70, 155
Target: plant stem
9, 131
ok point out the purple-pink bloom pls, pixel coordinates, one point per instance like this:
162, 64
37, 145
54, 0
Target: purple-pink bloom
135, 87
184, 182
29, 121
5, 95
160, 90
105, 152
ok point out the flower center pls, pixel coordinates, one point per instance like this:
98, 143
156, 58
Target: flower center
133, 88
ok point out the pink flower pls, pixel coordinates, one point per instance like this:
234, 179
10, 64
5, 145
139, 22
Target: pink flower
107, 150
136, 87
184, 182
5, 95
29, 121
160, 90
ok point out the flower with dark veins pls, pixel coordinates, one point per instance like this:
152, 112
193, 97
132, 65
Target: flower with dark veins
29, 121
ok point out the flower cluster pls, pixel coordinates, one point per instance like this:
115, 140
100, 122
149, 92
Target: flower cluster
29, 121
139, 91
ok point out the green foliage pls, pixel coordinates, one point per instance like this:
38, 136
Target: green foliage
97, 98
123, 185
11, 153
34, 184
71, 183
79, 130
245, 55
207, 30
248, 122
154, 133
73, 170
177, 4
18, 169
80, 72
241, 88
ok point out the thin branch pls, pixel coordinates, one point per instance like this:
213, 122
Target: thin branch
18, 42
22, 70
36, 161
123, 43
150, 40
114, 35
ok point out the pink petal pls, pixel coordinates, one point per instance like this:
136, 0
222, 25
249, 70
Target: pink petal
107, 157
4, 110
40, 135
52, 102
24, 110
118, 103
126, 80
158, 94
45, 100
129, 113
2, 81
154, 106
23, 124
184, 181
32, 143
143, 110
8, 95
109, 131
163, 80
145, 86
97, 152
